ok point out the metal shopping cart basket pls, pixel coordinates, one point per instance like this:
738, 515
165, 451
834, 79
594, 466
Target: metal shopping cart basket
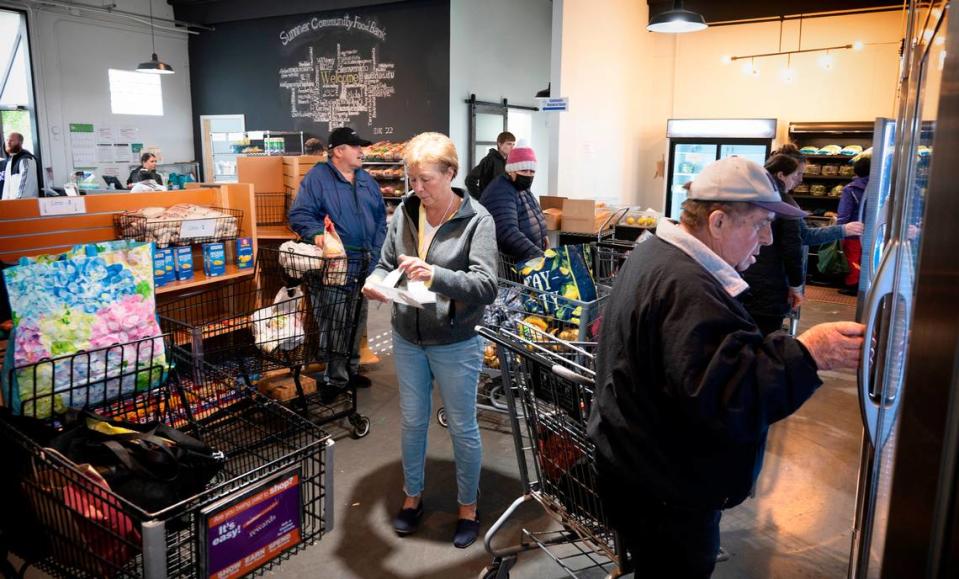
294, 310
71, 526
552, 386
514, 303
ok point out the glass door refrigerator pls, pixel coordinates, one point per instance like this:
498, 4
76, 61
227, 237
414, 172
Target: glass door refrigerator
695, 143
907, 516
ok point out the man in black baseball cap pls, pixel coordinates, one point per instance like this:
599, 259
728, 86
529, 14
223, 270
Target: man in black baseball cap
347, 136
341, 190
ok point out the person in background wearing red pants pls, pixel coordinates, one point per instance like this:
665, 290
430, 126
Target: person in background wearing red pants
850, 209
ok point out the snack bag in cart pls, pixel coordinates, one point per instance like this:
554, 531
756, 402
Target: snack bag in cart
335, 255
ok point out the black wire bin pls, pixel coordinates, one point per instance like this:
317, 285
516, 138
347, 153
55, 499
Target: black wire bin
293, 311
270, 498
179, 225
271, 208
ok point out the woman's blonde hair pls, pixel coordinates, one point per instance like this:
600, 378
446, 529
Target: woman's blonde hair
432, 148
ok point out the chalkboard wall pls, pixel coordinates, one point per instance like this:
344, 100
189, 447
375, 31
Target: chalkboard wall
383, 70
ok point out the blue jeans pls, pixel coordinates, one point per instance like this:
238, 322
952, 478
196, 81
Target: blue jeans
455, 368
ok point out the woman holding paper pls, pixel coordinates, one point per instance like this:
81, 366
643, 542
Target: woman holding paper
443, 243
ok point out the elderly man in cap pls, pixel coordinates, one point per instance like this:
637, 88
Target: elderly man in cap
686, 384
342, 190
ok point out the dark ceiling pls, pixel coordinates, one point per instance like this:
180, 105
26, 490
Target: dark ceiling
727, 10
211, 12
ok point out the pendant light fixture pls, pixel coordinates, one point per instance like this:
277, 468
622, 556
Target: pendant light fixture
677, 20
154, 66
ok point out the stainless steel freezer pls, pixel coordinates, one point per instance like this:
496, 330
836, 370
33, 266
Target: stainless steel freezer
906, 520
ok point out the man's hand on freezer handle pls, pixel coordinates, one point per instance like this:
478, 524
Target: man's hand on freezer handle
834, 346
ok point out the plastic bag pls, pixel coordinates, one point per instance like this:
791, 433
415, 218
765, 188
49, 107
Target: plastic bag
335, 254
280, 326
563, 276
96, 298
296, 258
832, 261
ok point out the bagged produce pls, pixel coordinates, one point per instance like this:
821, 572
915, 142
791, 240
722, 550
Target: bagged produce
830, 150
337, 264
280, 326
163, 225
97, 299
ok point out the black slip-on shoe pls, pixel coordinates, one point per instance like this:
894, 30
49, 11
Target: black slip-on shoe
361, 381
466, 532
408, 520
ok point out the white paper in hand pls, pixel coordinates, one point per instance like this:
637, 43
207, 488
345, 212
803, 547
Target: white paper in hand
415, 295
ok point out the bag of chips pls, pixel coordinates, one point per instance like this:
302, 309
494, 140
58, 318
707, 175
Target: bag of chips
562, 278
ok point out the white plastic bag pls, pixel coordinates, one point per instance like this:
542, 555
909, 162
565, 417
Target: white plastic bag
297, 258
280, 326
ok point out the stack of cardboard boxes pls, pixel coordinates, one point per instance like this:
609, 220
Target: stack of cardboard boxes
575, 215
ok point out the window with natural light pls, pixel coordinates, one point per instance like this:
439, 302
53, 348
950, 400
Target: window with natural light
135, 93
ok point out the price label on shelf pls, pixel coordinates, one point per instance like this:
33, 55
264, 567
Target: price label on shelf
62, 205
193, 228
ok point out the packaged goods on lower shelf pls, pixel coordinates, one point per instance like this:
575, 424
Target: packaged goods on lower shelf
184, 263
244, 253
214, 259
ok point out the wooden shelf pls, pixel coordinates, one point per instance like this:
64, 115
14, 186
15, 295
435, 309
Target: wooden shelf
829, 177
274, 232
199, 279
843, 158
817, 197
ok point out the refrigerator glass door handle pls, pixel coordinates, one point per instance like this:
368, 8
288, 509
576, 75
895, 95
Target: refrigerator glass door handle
881, 287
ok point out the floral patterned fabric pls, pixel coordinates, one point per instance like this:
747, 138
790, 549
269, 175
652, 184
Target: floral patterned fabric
97, 299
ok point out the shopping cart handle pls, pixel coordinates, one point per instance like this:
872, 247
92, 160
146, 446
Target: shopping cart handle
567, 374
492, 336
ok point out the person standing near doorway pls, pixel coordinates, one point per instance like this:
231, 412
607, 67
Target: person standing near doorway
850, 210
492, 166
342, 190
20, 173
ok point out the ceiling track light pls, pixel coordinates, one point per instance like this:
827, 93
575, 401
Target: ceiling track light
677, 21
154, 65
825, 49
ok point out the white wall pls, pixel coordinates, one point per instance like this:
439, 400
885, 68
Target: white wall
624, 83
71, 56
500, 49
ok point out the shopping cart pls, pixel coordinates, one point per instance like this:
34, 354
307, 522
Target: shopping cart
71, 526
551, 385
293, 311
608, 258
516, 302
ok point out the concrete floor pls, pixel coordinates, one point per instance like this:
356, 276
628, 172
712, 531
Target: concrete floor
797, 526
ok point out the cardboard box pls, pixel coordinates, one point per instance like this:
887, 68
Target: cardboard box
169, 265
584, 216
264, 173
184, 262
554, 218
279, 385
159, 267
214, 259
244, 253
552, 207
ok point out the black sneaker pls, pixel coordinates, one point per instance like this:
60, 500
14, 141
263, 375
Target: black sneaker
466, 532
408, 520
330, 392
361, 381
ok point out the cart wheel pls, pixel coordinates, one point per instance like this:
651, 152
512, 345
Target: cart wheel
441, 418
497, 569
361, 425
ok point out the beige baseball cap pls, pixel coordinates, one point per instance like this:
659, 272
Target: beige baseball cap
737, 179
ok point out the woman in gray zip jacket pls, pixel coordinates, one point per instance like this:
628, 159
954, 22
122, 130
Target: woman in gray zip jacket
443, 239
